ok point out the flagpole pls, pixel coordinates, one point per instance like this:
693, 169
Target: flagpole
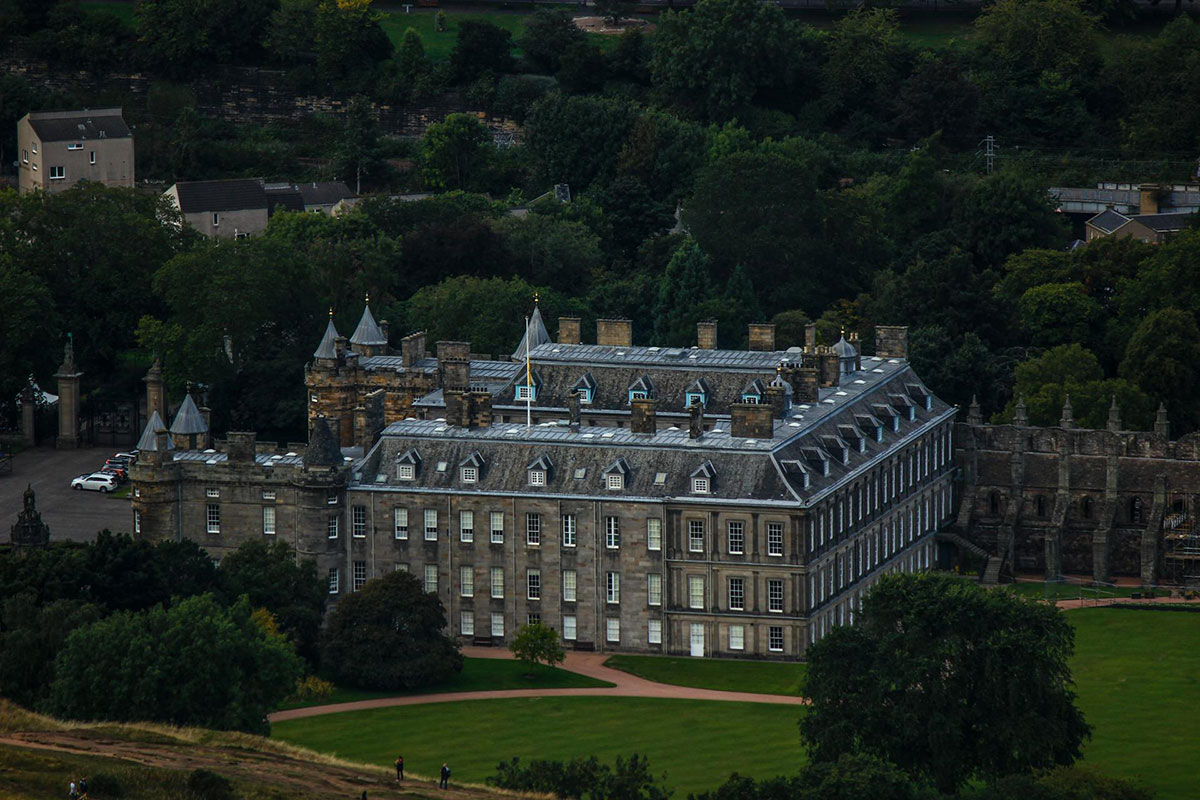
528, 381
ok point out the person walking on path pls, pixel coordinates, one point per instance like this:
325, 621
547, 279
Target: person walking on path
445, 782
400, 768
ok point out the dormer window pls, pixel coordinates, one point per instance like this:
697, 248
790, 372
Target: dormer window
641, 389
406, 472
614, 476
537, 477
703, 478
752, 399
615, 481
470, 468
700, 485
538, 470
585, 387
696, 394
526, 392
470, 474
407, 464
637, 394
527, 386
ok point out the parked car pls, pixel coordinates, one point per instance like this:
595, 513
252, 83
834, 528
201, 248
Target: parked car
117, 466
115, 472
128, 457
96, 482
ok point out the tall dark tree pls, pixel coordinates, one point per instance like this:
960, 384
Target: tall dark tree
947, 681
480, 47
389, 635
547, 35
182, 36
683, 292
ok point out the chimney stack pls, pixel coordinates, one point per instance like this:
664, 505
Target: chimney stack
706, 335
891, 341
1148, 194
412, 349
830, 366
762, 336
568, 330
810, 337
643, 417
456, 373
573, 405
751, 421
614, 332
695, 421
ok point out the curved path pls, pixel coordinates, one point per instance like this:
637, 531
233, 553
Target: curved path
590, 664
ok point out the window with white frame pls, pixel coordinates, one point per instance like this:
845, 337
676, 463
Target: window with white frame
431, 528
497, 624
466, 526
533, 618
268, 494
537, 477
737, 594
654, 631
774, 538
525, 393
570, 581
695, 591
612, 584
268, 516
612, 629
569, 627
533, 584
700, 485
775, 638
333, 580
775, 596
466, 581
736, 530
334, 524
533, 529
58, 173
466, 623
406, 472
431, 578
568, 530
612, 533
400, 521
212, 492
91, 156
470, 474
615, 481
654, 589
497, 527
654, 534
696, 535
358, 522
137, 521
497, 580
212, 518
360, 574
737, 637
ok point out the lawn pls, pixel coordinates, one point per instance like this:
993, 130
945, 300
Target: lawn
1138, 676
1071, 591
696, 743
478, 674
707, 673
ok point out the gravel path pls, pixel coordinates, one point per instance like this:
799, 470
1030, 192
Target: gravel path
590, 664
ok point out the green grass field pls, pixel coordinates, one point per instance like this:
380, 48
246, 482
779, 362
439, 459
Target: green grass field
734, 676
696, 743
1138, 676
1071, 591
478, 675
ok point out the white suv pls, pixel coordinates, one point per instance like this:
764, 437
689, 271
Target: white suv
96, 481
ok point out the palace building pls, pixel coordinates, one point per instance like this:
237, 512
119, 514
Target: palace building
684, 500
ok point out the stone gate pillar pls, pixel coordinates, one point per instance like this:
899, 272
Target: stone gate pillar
28, 417
68, 399
156, 395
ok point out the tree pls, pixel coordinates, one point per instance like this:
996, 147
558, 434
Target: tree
548, 33
613, 10
633, 213
410, 55
480, 47
1162, 359
537, 644
350, 42
1059, 313
683, 291
863, 64
389, 635
456, 153
30, 638
1005, 213
628, 779
1040, 35
576, 140
196, 663
947, 681
180, 35
273, 578
549, 251
715, 57
358, 153
27, 329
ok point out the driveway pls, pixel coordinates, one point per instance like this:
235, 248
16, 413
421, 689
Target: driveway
72, 515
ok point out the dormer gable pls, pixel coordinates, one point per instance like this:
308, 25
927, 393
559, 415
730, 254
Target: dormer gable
753, 391
870, 426
470, 469
641, 389
818, 458
796, 471
852, 435
697, 393
585, 387
920, 395
837, 447
408, 465
704, 478
616, 474
538, 471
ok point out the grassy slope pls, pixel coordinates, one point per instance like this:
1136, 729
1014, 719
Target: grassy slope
705, 673
696, 743
1138, 676
478, 674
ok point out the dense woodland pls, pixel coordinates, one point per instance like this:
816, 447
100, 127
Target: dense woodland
817, 174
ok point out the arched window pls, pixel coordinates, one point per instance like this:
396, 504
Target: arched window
1135, 510
994, 503
1085, 508
1039, 503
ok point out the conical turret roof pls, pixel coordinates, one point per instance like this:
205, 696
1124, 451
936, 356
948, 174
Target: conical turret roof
148, 441
368, 331
535, 335
328, 346
188, 420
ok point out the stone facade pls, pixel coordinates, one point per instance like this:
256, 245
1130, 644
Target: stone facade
58, 149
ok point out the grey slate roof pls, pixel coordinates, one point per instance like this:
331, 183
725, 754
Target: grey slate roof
327, 348
147, 441
323, 450
537, 335
325, 193
80, 126
1108, 220
188, 420
368, 331
1165, 223
229, 195
283, 198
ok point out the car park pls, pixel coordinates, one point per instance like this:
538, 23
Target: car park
120, 468
96, 482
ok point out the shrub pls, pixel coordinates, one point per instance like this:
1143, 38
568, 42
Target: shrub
205, 785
